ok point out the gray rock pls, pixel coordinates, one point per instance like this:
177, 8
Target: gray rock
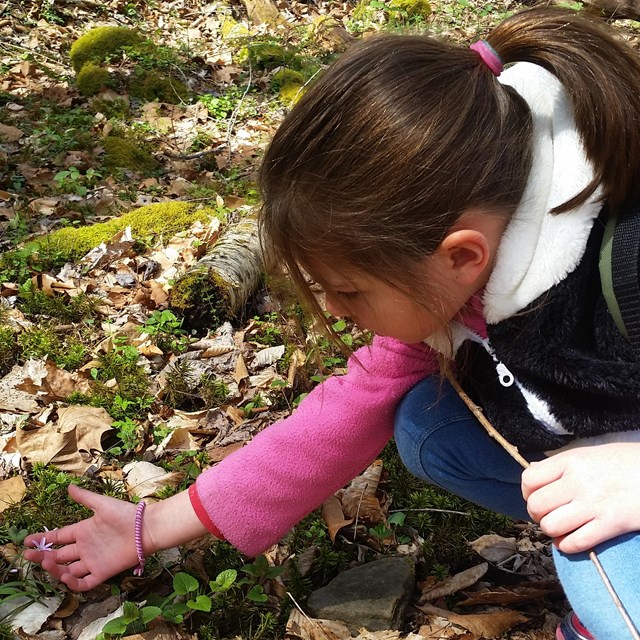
374, 595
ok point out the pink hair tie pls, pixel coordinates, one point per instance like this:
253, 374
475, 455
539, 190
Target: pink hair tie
489, 56
138, 571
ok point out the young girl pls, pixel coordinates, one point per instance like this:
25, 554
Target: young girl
456, 210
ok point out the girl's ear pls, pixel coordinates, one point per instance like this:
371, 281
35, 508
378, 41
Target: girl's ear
465, 255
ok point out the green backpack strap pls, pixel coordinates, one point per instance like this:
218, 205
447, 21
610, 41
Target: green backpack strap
618, 264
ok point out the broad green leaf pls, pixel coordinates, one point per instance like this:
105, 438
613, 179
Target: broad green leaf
225, 579
257, 594
115, 627
397, 518
201, 603
183, 583
147, 614
341, 325
130, 612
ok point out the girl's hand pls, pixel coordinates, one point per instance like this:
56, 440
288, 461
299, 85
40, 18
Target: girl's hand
95, 549
585, 496
92, 550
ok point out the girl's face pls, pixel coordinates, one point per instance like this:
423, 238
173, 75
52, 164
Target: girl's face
387, 309
441, 283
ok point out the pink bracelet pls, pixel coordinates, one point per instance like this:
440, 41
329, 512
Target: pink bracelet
138, 538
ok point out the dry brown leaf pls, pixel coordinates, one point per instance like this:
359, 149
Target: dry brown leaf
215, 351
144, 479
237, 415
505, 596
241, 372
71, 442
68, 606
486, 625
179, 440
453, 584
158, 294
359, 498
301, 627
493, 547
216, 454
11, 492
268, 356
50, 383
334, 517
9, 133
162, 631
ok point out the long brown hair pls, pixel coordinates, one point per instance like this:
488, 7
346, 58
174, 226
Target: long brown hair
403, 133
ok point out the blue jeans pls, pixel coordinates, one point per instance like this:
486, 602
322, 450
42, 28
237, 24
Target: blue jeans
441, 442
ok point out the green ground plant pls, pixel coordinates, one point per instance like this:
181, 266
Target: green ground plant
186, 390
165, 328
8, 348
445, 521
46, 504
35, 302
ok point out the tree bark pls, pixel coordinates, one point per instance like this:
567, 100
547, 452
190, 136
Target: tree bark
219, 285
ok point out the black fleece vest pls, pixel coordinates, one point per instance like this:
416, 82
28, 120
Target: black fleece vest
566, 349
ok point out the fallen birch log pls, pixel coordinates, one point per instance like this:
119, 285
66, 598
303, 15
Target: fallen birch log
219, 285
615, 9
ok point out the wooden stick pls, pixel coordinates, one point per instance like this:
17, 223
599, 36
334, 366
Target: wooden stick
514, 453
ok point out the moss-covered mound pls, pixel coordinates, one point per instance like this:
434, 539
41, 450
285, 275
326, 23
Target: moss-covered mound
284, 77
413, 8
150, 85
267, 55
92, 78
166, 218
100, 43
289, 84
122, 153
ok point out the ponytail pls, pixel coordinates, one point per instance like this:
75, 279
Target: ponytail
601, 75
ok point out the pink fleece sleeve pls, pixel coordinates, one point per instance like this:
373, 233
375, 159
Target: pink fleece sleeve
254, 496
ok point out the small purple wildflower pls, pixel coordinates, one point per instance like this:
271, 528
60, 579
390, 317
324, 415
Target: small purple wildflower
43, 545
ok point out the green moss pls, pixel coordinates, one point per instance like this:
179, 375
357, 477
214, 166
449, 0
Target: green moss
92, 78
286, 76
101, 43
8, 348
230, 29
116, 108
122, 153
200, 299
267, 55
150, 86
412, 8
291, 93
165, 218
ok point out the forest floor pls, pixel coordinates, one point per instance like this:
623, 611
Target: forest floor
104, 384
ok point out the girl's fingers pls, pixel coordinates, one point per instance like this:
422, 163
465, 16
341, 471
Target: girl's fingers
76, 569
582, 539
541, 473
547, 499
80, 584
66, 554
564, 520
85, 497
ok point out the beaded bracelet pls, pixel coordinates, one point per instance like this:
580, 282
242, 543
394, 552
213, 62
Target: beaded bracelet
138, 538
